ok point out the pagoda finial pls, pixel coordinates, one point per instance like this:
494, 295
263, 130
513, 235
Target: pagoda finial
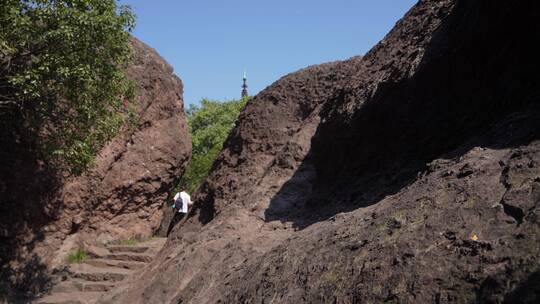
244, 86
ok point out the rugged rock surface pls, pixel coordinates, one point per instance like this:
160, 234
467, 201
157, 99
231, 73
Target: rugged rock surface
409, 175
119, 198
86, 281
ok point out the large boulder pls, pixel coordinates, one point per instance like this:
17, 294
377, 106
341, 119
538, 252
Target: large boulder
411, 174
126, 191
122, 196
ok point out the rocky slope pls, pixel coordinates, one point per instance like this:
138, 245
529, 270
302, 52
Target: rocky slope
408, 175
43, 217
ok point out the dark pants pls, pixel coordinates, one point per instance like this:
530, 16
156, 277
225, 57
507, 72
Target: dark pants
177, 217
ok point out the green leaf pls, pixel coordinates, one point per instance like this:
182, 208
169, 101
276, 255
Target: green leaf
65, 63
209, 123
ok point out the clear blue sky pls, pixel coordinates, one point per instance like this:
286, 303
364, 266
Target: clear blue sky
210, 42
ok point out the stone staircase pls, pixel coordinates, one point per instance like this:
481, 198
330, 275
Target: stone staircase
86, 282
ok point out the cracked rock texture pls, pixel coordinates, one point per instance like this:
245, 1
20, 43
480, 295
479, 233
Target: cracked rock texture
121, 197
408, 175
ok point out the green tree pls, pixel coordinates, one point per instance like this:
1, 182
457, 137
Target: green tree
210, 123
62, 74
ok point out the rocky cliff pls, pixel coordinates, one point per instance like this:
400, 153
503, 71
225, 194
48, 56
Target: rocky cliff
408, 175
44, 216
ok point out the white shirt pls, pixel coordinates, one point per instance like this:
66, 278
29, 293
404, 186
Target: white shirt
186, 201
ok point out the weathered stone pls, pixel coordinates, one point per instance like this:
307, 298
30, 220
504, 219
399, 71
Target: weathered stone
120, 197
96, 251
268, 227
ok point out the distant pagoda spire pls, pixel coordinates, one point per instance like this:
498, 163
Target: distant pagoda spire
244, 86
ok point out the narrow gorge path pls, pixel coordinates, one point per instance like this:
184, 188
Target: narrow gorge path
86, 282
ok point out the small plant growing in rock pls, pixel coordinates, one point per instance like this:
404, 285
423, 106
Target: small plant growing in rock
77, 256
129, 242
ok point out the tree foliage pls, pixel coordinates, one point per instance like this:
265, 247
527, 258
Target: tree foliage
62, 74
210, 123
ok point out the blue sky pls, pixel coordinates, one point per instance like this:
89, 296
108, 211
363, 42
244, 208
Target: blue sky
210, 42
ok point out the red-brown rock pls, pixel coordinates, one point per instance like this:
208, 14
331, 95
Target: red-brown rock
409, 175
121, 197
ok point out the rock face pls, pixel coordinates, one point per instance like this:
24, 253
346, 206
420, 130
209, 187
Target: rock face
410, 175
135, 173
121, 197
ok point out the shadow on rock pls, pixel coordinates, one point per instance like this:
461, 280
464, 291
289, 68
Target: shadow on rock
24, 284
26, 186
528, 291
468, 91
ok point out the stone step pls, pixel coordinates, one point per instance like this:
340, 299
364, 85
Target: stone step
126, 249
97, 252
135, 257
106, 263
77, 285
155, 244
86, 282
70, 298
97, 274
97, 277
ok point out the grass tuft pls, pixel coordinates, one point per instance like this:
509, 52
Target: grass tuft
77, 256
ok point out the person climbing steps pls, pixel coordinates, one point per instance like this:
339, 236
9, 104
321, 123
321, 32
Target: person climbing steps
182, 202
